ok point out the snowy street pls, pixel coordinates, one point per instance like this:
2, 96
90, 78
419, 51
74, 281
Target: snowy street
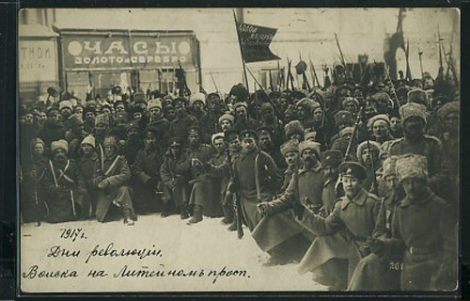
160, 255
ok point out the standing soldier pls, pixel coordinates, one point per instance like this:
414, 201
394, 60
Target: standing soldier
175, 175
210, 122
159, 124
64, 186
180, 126
341, 236
424, 231
111, 177
330, 161
226, 122
86, 162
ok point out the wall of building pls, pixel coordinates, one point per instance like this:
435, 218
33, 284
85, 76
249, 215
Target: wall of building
306, 32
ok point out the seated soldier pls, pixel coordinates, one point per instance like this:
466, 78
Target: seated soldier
111, 177
341, 236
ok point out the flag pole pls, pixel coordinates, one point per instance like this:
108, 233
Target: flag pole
241, 52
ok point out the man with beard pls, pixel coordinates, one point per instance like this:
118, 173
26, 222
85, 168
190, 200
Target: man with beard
119, 128
368, 156
146, 170
86, 162
270, 120
416, 142
197, 102
75, 135
101, 130
424, 232
199, 154
341, 236
351, 105
242, 120
160, 124
89, 115
111, 177
381, 272
53, 129
379, 125
133, 142
64, 187
65, 109
303, 110
266, 144
258, 178
183, 121
175, 175
330, 161
226, 122
211, 120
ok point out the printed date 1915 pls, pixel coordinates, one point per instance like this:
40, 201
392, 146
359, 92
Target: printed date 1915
73, 234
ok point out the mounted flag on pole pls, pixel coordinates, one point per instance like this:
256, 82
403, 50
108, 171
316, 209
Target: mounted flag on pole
254, 42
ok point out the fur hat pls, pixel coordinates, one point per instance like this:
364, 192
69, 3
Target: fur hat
417, 95
315, 146
346, 130
379, 117
385, 149
228, 117
217, 136
412, 166
197, 97
389, 166
240, 92
331, 158
89, 140
374, 146
154, 103
342, 117
293, 127
240, 104
412, 109
289, 146
102, 119
306, 103
35, 141
450, 107
63, 144
75, 120
65, 104
110, 141
350, 100
310, 135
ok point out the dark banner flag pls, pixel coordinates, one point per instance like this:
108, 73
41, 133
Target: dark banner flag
254, 41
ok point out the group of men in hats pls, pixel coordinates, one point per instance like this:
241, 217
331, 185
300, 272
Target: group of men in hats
356, 184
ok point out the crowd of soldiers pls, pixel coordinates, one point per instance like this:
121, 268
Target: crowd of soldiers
356, 183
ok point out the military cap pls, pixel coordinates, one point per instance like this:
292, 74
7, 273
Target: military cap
51, 109
75, 120
132, 125
180, 99
342, 117
231, 135
248, 134
266, 106
413, 109
297, 95
450, 107
228, 117
352, 169
310, 135
289, 146
331, 158
315, 146
418, 96
293, 127
437, 99
110, 140
264, 130
175, 141
195, 128
121, 117
412, 166
90, 104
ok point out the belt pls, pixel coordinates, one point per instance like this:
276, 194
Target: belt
422, 251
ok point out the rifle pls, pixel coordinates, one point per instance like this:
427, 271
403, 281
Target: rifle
290, 77
213, 81
407, 59
343, 62
387, 72
271, 80
183, 77
440, 73
315, 77
237, 204
420, 53
373, 167
358, 120
276, 111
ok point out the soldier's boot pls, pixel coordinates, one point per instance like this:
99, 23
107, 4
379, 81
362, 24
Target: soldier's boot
233, 226
167, 210
228, 215
127, 217
183, 212
197, 215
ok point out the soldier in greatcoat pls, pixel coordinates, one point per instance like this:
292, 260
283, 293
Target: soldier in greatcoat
111, 177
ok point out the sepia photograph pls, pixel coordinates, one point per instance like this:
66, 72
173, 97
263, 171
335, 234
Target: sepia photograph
179, 150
